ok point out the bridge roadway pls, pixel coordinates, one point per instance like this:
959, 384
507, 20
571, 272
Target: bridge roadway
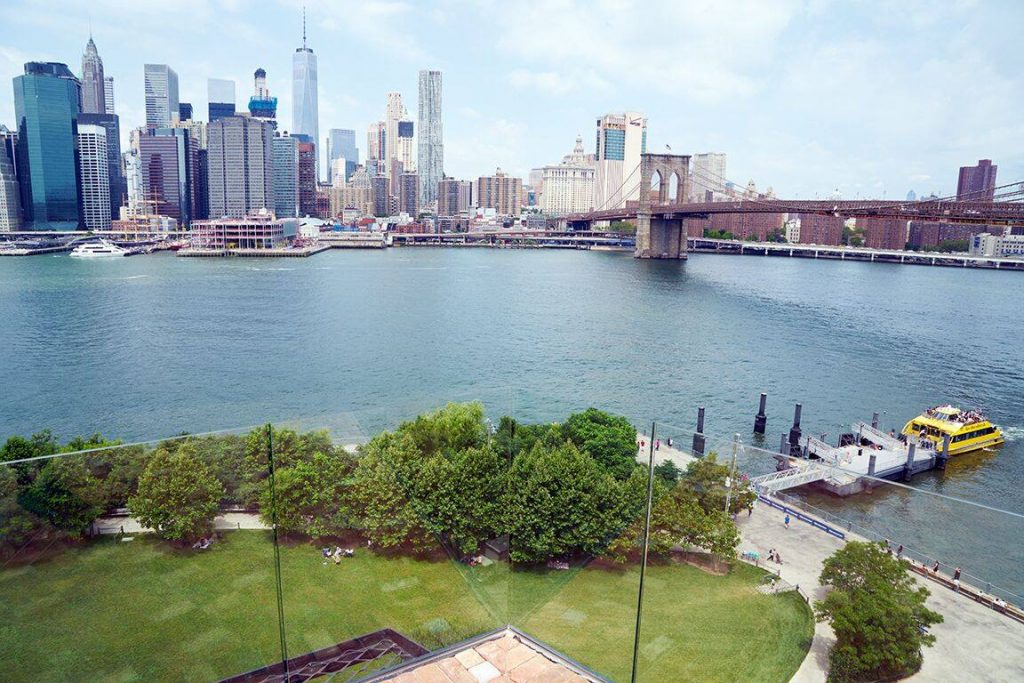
990, 213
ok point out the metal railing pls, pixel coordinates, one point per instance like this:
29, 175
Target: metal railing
919, 557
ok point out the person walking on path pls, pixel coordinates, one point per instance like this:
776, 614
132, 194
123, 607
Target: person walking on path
787, 520
956, 574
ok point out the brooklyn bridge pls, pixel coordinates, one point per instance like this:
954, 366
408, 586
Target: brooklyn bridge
661, 220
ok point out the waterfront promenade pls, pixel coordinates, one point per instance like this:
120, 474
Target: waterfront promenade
974, 641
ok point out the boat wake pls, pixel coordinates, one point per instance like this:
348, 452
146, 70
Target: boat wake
1013, 433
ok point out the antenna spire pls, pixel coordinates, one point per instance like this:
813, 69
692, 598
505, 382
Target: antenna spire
303, 27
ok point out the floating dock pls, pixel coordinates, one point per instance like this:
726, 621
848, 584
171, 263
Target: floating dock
851, 468
299, 252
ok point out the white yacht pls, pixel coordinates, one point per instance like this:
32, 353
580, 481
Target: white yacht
98, 249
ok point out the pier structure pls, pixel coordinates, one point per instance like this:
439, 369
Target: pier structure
850, 468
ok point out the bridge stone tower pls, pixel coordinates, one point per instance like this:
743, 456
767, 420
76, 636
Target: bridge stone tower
662, 235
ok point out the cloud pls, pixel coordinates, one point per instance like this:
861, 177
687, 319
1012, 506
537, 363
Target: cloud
707, 50
555, 83
486, 145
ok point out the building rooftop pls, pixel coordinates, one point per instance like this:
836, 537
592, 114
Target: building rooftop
505, 655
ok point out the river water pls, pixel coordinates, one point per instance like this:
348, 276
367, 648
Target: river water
146, 347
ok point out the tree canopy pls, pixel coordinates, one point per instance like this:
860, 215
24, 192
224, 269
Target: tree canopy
562, 502
878, 614
609, 439
443, 479
178, 495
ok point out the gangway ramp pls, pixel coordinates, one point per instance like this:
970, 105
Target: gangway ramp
798, 475
886, 441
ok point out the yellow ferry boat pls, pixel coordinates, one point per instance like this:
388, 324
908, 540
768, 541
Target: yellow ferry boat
968, 430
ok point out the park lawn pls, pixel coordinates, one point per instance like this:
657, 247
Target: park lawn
141, 611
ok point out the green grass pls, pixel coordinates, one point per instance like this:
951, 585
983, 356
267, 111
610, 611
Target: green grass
141, 611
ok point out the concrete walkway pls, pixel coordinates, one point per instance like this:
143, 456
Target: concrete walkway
974, 643
663, 453
223, 522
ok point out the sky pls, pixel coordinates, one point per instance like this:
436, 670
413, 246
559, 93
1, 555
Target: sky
805, 96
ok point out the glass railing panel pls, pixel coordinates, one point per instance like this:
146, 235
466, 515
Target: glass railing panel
389, 542
706, 614
145, 561
576, 495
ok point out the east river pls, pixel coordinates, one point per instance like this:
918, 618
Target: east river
147, 347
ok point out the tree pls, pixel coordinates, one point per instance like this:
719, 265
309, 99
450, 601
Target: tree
677, 518
667, 472
380, 491
559, 502
718, 234
19, 448
622, 227
18, 526
64, 494
608, 439
458, 497
289, 447
512, 437
705, 478
877, 612
312, 498
178, 495
455, 427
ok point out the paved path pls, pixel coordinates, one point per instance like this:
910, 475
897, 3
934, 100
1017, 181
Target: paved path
663, 453
974, 643
223, 522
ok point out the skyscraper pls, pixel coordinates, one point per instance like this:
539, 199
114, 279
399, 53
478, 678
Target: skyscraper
500, 192
408, 191
261, 104
184, 111
621, 139
94, 95
112, 126
95, 182
10, 202
430, 159
376, 135
977, 183
108, 94
220, 97
169, 157
305, 119
404, 152
46, 103
708, 177
286, 176
341, 144
567, 187
393, 113
161, 83
307, 177
453, 196
240, 162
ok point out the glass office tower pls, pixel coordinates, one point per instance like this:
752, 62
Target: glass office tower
46, 105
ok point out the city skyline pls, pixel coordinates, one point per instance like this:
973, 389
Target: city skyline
741, 93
